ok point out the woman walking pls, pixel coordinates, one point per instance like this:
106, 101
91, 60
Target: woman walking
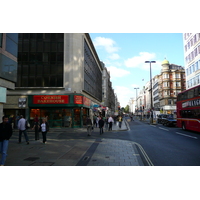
44, 127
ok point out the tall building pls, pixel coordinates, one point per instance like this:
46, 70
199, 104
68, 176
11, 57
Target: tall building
171, 82
59, 76
192, 58
8, 66
166, 87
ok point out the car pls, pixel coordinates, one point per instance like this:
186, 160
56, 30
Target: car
169, 120
160, 118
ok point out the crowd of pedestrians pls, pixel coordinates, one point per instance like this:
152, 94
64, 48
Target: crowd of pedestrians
103, 123
6, 130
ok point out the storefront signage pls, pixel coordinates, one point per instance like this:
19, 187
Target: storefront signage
192, 103
78, 99
86, 101
50, 99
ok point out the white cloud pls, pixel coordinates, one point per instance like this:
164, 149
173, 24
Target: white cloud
135, 86
106, 43
117, 72
114, 56
139, 61
123, 95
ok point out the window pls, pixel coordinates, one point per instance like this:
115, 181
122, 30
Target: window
1, 38
39, 62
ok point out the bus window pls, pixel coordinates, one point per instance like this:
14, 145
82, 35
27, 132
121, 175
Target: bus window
185, 95
191, 93
196, 92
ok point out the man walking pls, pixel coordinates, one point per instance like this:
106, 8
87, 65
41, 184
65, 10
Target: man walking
101, 125
22, 129
5, 134
110, 121
89, 126
120, 121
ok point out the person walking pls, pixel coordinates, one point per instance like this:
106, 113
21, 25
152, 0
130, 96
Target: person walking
110, 121
36, 127
89, 126
5, 134
120, 121
22, 129
44, 127
101, 125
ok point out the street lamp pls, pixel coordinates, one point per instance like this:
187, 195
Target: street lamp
151, 90
136, 98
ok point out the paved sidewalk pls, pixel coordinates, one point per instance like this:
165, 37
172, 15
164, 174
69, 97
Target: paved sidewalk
63, 151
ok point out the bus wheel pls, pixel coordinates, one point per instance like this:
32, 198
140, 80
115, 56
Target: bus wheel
183, 126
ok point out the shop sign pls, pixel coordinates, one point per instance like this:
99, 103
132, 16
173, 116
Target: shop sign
78, 99
86, 101
50, 99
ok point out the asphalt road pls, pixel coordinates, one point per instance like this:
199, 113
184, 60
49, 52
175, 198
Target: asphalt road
167, 146
164, 146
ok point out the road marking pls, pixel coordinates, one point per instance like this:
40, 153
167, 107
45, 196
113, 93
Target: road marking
153, 125
163, 129
186, 135
144, 154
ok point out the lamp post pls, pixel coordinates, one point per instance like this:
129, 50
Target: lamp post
151, 90
136, 98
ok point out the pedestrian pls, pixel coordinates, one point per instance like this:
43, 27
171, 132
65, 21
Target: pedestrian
89, 126
120, 121
106, 123
110, 121
97, 122
5, 134
44, 127
22, 129
101, 125
36, 127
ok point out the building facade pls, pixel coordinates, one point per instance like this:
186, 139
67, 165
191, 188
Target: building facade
192, 58
8, 66
59, 76
171, 82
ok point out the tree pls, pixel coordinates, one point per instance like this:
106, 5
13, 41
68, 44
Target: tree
126, 110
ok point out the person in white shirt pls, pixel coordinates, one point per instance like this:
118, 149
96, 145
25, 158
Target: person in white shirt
110, 121
22, 129
44, 126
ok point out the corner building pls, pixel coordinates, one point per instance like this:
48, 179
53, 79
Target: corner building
59, 76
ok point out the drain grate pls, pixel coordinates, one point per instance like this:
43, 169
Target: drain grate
32, 158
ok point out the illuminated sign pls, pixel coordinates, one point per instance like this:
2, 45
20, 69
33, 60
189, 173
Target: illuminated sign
50, 99
86, 101
78, 99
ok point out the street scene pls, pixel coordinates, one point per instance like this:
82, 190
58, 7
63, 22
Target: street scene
136, 143
64, 102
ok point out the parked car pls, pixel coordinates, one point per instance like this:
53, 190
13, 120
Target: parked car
169, 120
160, 118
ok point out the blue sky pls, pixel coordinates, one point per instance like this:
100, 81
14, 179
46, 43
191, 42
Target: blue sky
124, 55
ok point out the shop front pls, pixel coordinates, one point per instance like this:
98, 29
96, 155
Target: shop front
61, 111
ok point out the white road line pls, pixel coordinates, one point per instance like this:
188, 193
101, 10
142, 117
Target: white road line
153, 125
163, 129
186, 135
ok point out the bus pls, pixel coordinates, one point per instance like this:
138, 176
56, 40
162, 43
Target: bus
188, 109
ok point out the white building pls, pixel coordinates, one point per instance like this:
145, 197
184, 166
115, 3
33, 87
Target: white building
192, 58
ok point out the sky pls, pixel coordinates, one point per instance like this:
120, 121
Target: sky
124, 55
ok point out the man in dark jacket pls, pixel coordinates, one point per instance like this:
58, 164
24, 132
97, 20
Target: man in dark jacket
101, 125
5, 134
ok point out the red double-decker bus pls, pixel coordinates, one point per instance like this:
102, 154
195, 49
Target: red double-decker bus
188, 109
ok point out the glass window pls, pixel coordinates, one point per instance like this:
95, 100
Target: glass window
11, 44
1, 39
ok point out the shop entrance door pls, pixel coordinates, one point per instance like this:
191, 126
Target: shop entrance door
77, 118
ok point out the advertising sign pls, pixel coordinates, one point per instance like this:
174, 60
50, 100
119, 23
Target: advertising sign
50, 99
78, 99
